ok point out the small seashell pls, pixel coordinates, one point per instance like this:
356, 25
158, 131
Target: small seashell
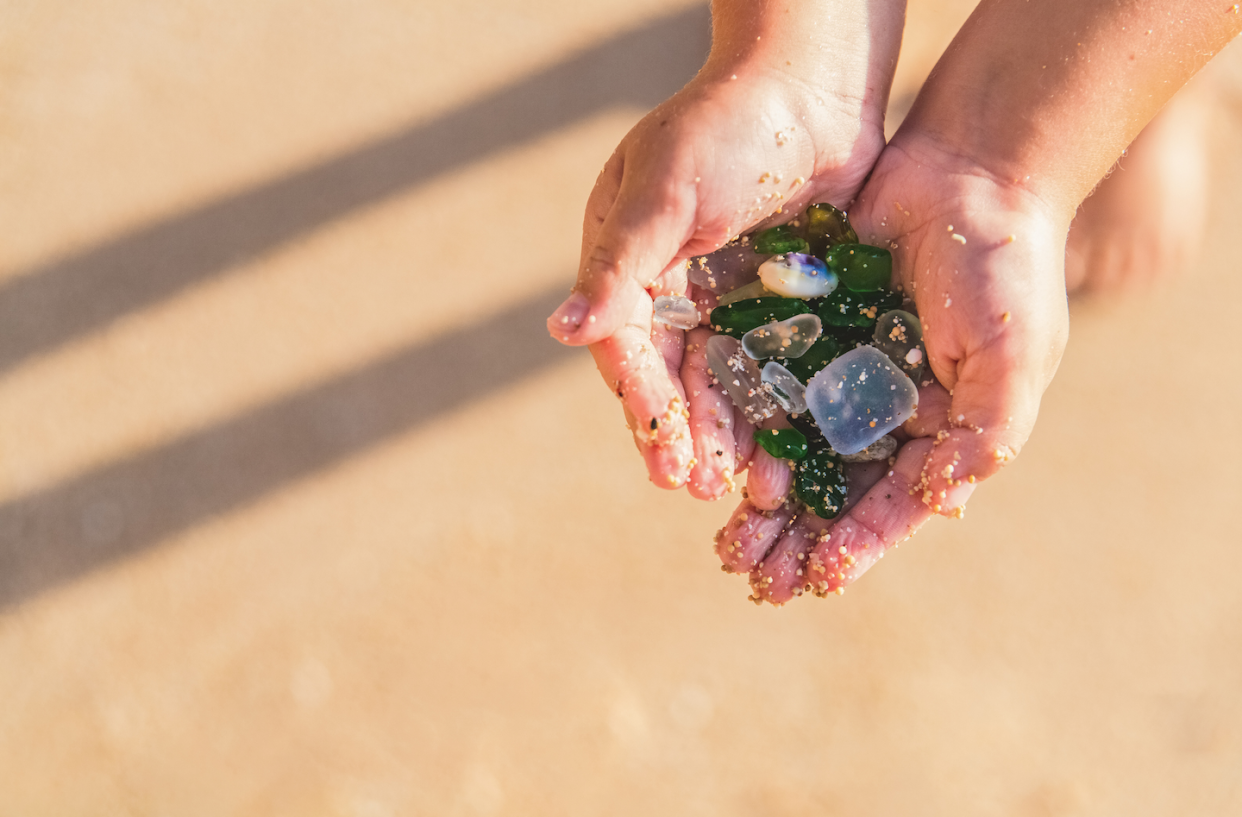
797, 275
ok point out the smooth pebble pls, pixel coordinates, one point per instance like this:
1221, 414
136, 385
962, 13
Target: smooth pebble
881, 449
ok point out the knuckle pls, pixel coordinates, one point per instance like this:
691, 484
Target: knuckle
602, 260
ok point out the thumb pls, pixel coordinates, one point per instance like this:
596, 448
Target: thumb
641, 235
993, 408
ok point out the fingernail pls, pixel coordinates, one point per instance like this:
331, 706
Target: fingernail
570, 315
955, 496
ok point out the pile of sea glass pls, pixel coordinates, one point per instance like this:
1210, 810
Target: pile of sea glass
807, 325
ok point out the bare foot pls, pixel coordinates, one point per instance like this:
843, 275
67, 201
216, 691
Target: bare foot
1146, 219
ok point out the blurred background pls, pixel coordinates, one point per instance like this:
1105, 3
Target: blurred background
303, 514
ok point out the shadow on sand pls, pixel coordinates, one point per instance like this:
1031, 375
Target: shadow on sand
127, 506
66, 298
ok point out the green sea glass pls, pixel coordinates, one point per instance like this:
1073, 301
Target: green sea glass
755, 289
827, 226
851, 337
739, 317
782, 443
817, 357
819, 479
860, 267
780, 240
845, 308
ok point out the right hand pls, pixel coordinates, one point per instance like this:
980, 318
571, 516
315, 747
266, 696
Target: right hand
728, 153
983, 260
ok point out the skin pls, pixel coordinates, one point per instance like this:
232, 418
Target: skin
1005, 154
813, 80
994, 335
1146, 219
975, 195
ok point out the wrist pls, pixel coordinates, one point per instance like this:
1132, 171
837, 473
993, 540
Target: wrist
960, 128
1047, 95
996, 184
829, 64
841, 54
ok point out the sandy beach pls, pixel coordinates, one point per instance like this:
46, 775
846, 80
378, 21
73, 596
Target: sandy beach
302, 513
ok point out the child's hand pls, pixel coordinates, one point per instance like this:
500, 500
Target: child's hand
789, 109
984, 262
977, 191
717, 159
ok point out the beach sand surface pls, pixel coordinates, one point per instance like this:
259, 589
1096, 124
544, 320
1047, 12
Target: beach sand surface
302, 513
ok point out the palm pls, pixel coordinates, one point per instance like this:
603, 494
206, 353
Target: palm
713, 175
992, 301
984, 263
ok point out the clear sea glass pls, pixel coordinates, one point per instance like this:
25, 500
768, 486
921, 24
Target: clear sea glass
676, 311
740, 377
789, 338
786, 389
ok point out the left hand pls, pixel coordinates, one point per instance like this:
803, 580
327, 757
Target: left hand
984, 261
725, 155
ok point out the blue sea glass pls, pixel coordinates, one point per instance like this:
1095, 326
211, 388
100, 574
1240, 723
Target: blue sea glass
860, 397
